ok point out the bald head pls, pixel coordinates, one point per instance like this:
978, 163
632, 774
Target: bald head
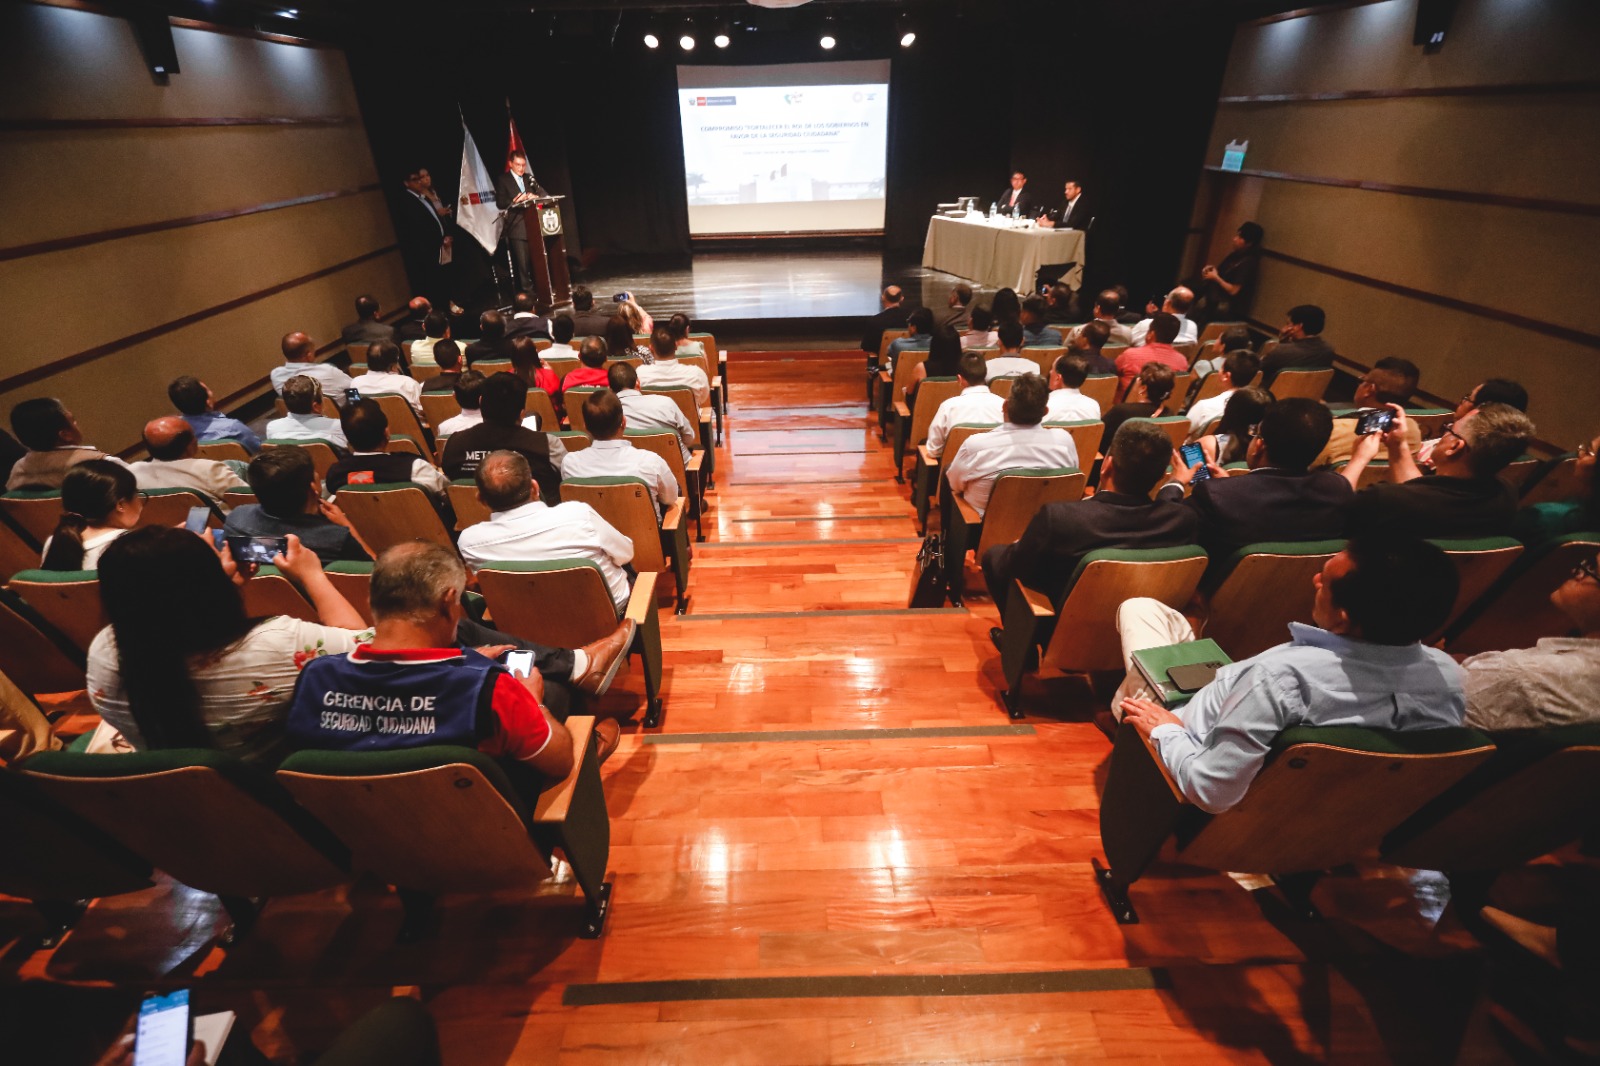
418, 582
505, 481
892, 295
1179, 300
169, 438
298, 348
419, 307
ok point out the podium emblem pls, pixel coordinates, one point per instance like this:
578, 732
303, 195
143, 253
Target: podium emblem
550, 220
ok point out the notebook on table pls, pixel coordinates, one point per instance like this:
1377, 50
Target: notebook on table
1155, 666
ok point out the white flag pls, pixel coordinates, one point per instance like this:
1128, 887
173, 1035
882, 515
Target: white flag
476, 211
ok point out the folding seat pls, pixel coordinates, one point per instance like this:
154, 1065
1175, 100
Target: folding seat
912, 426
1176, 427
1001, 387
403, 421
34, 654
896, 387
403, 445
699, 421
664, 443
928, 473
270, 592
1101, 388
171, 507
575, 440
1085, 439
560, 365
33, 511
1178, 399
353, 579
1045, 355
464, 501
439, 406
574, 398
1515, 611
625, 502
222, 450
1558, 481
69, 600
1017, 496
1305, 382
1266, 586
322, 454
393, 513
18, 548
539, 403
1216, 330
1479, 562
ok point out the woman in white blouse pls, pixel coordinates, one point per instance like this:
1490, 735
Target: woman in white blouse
100, 502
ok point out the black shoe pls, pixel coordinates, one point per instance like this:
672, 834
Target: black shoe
997, 637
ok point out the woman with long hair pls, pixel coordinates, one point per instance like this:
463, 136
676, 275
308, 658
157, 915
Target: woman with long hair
526, 364
181, 664
944, 359
1005, 306
1229, 442
620, 343
100, 502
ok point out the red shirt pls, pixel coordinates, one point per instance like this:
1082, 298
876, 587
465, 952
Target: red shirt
1130, 362
586, 375
545, 378
521, 730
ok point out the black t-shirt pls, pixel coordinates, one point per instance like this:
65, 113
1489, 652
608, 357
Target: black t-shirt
1433, 506
385, 469
1119, 414
330, 541
465, 450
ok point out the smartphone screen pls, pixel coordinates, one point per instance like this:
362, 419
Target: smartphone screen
162, 1036
1192, 454
198, 517
258, 550
1374, 422
520, 663
352, 395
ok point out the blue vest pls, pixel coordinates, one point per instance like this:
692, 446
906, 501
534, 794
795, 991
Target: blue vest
341, 705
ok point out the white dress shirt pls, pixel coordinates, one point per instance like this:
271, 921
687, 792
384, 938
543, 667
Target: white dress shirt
1070, 405
975, 403
456, 423
421, 353
537, 532
618, 458
1201, 414
656, 412
376, 383
1187, 331
1120, 333
983, 456
1010, 366
209, 477
559, 351
333, 380
665, 373
307, 427
980, 339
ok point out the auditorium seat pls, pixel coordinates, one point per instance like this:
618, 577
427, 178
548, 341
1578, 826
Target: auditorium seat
223, 450
34, 511
1178, 399
539, 403
1016, 497
467, 826
1215, 330
896, 396
683, 396
1081, 637
322, 454
34, 654
519, 596
405, 445
1515, 612
1045, 355
665, 443
625, 502
171, 507
1190, 350
1430, 420
468, 508
1521, 471
269, 592
560, 365
438, 406
1558, 481
238, 497
1176, 427
911, 426
1479, 562
1340, 788
927, 475
1085, 439
354, 581
1263, 588
1001, 387
574, 398
392, 513
1307, 382
205, 819
575, 440
18, 549
1101, 388
69, 600
402, 416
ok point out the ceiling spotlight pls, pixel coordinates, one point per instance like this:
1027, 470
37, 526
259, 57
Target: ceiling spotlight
721, 40
686, 42
908, 38
907, 31
652, 41
827, 40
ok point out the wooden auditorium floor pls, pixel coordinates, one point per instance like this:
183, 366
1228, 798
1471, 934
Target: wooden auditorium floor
796, 884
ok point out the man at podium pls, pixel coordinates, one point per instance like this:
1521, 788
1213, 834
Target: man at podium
514, 191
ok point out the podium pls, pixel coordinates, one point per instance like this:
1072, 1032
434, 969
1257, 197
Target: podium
547, 249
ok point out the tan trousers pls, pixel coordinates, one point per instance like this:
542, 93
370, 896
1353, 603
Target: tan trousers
23, 729
1142, 623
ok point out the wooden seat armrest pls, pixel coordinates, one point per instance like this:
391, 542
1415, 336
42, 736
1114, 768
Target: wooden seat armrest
1037, 602
927, 457
1166, 775
555, 801
642, 601
901, 410
886, 376
672, 518
696, 459
969, 514
705, 415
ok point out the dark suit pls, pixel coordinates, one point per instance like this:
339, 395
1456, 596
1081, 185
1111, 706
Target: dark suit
409, 329
367, 331
1027, 206
536, 326
1075, 216
1265, 505
889, 318
1434, 507
506, 190
480, 350
1061, 534
1311, 352
592, 323
421, 234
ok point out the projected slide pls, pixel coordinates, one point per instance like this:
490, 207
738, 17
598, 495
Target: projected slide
786, 154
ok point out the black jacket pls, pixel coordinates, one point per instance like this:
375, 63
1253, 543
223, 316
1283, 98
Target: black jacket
1028, 207
465, 450
1077, 218
1433, 506
505, 190
1267, 505
889, 318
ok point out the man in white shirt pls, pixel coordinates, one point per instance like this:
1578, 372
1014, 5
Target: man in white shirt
612, 456
1020, 442
522, 528
469, 395
973, 404
1066, 403
1177, 304
1010, 363
174, 462
648, 412
668, 371
561, 333
383, 376
1238, 370
300, 355
305, 420
1107, 306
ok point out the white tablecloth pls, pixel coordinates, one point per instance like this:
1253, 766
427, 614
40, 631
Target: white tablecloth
996, 255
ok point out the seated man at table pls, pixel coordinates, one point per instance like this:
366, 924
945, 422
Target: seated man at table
611, 455
1362, 664
648, 411
1020, 441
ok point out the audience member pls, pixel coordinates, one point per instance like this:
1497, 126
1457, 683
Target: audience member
974, 404
1006, 306
491, 343
54, 442
469, 397
1551, 684
1229, 441
652, 411
285, 483
300, 357
1020, 441
1066, 403
592, 354
1540, 522
919, 334
413, 327
1010, 362
1120, 515
957, 312
892, 315
982, 334
526, 320
302, 398
1300, 345
523, 528
587, 320
447, 358
383, 376
638, 319
174, 462
370, 462
1239, 369
194, 402
1155, 346
682, 344
676, 373
1150, 390
1176, 304
1036, 333
437, 329
1058, 305
1106, 308
1494, 390
561, 334
1463, 498
527, 365
1228, 289
943, 361
100, 501
1362, 664
620, 342
505, 397
1389, 381
366, 329
611, 455
1090, 343
1236, 338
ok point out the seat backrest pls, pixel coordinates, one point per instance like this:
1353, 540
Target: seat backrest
238, 497
930, 394
1210, 386
491, 367
464, 829
1019, 494
67, 599
406, 446
561, 365
222, 450
393, 513
1559, 481
322, 454
706, 366
1044, 355
439, 406
574, 398
625, 502
464, 501
1178, 399
576, 440
709, 343
1516, 611
1328, 795
561, 603
1085, 638
683, 396
208, 820
402, 416
1430, 421
1001, 387
1101, 388
1215, 330
170, 507
1267, 586
1085, 439
35, 511
664, 443
1520, 472
539, 403
53, 855
889, 337
35, 655
903, 366
1479, 563
1176, 427
1309, 383
1190, 350
354, 582
269, 592
957, 437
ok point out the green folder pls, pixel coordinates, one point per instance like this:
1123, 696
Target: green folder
1153, 664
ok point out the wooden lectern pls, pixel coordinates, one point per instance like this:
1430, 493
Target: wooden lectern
547, 248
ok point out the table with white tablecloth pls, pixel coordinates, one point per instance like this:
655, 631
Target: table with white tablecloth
998, 253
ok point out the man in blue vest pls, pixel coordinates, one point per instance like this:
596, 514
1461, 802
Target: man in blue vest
413, 685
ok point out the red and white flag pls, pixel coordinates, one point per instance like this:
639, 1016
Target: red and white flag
515, 145
476, 211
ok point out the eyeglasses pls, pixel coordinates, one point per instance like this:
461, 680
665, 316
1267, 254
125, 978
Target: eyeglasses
1586, 450
1588, 568
1450, 431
